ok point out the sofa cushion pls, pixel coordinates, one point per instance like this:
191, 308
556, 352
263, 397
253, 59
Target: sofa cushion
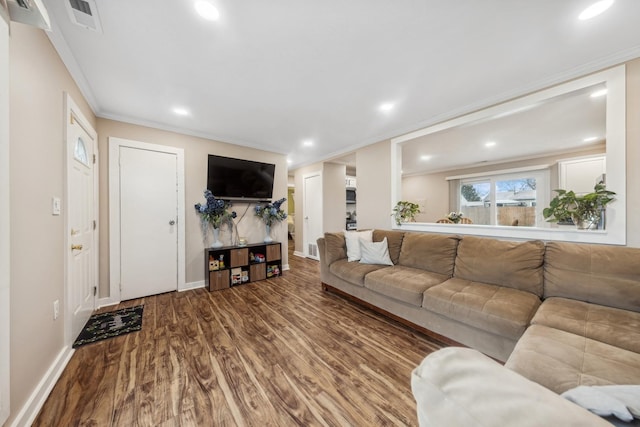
403, 283
353, 272
394, 241
517, 265
432, 252
497, 309
335, 247
606, 275
561, 360
620, 328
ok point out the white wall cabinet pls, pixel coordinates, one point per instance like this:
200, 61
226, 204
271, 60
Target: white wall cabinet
581, 175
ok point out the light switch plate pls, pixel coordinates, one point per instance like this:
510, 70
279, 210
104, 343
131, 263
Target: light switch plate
55, 206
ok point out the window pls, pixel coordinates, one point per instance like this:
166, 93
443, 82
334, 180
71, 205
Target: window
510, 199
80, 152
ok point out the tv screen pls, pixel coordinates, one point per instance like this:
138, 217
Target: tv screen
237, 179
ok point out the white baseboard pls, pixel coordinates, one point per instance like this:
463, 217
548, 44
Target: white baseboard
105, 302
191, 285
300, 254
34, 403
285, 267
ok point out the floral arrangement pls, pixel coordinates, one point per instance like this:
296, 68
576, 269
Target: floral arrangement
215, 211
271, 212
405, 211
455, 216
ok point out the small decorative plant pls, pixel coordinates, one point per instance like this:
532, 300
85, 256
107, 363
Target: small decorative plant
455, 217
215, 211
584, 210
405, 211
271, 212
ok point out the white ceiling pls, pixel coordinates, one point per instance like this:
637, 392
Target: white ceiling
273, 74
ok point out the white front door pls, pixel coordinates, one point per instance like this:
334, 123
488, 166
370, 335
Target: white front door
81, 220
312, 195
148, 222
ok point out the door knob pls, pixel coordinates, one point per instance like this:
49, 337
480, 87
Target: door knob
172, 222
76, 247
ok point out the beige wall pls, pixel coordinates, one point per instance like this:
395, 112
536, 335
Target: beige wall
373, 174
5, 225
195, 155
334, 196
431, 192
38, 79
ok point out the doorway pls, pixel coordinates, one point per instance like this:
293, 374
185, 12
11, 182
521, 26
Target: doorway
312, 196
146, 204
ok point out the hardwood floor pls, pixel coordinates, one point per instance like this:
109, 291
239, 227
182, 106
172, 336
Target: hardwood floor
273, 353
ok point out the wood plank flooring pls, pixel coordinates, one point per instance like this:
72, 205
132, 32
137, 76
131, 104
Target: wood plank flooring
274, 353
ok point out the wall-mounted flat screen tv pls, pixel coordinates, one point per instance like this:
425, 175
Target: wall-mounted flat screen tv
238, 179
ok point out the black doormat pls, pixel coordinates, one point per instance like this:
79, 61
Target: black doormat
108, 325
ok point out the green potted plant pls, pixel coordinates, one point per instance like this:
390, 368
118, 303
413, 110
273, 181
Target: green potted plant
405, 211
584, 210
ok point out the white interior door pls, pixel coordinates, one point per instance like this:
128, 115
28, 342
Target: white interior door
148, 222
312, 194
81, 220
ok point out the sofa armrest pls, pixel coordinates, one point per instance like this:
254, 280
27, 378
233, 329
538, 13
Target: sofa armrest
462, 387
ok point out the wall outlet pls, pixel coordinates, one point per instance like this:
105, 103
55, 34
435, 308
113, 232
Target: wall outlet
56, 309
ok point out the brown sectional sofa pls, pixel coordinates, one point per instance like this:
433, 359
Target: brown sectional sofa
561, 314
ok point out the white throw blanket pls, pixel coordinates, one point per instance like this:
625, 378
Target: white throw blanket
621, 401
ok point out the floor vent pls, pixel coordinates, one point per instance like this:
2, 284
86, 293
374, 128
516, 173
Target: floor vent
313, 250
84, 13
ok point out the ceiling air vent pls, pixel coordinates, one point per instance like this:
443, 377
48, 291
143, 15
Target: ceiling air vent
84, 13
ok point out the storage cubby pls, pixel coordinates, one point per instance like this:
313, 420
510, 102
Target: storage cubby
231, 265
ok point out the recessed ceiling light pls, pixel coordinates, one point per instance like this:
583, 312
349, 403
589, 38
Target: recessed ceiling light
307, 143
207, 10
490, 144
181, 111
425, 158
386, 107
590, 139
595, 9
598, 93
289, 161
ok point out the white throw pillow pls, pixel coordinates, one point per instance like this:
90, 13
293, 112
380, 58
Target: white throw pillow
375, 252
352, 238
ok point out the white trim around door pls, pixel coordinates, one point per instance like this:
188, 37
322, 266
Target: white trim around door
115, 145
